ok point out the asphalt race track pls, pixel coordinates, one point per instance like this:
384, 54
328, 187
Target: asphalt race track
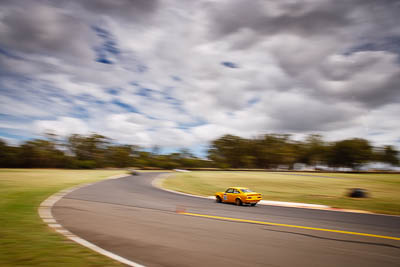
131, 218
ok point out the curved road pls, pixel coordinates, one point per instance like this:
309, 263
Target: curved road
131, 218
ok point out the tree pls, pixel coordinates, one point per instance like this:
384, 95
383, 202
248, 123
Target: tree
8, 155
313, 151
40, 153
3, 154
272, 150
228, 151
120, 156
350, 153
89, 148
390, 155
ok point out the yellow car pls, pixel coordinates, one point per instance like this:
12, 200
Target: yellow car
239, 196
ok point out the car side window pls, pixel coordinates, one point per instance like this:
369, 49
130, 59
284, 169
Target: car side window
236, 192
230, 190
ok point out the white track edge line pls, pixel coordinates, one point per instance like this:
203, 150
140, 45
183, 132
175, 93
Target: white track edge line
46, 215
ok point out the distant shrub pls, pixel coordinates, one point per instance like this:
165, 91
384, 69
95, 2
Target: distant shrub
84, 164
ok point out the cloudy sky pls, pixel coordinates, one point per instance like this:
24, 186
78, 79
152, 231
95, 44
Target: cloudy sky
180, 73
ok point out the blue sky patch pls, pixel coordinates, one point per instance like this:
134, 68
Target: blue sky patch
173, 100
6, 133
125, 106
391, 44
176, 78
111, 47
146, 92
87, 98
253, 101
141, 68
230, 64
375, 133
8, 53
104, 60
185, 126
80, 112
113, 91
108, 48
135, 83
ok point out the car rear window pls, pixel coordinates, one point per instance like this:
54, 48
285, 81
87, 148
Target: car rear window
246, 191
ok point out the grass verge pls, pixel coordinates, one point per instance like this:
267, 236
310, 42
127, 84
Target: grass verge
24, 239
315, 188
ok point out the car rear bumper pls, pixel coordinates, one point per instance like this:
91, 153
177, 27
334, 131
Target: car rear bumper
249, 201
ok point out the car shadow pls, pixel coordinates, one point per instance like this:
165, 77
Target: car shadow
233, 204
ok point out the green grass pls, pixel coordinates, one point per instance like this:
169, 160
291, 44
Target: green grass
384, 188
24, 239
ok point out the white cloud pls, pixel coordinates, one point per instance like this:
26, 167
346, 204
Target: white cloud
302, 67
62, 126
13, 107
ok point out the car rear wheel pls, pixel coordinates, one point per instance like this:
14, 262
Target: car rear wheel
238, 202
253, 204
218, 199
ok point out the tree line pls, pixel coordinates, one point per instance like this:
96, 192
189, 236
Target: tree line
89, 152
280, 151
264, 152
